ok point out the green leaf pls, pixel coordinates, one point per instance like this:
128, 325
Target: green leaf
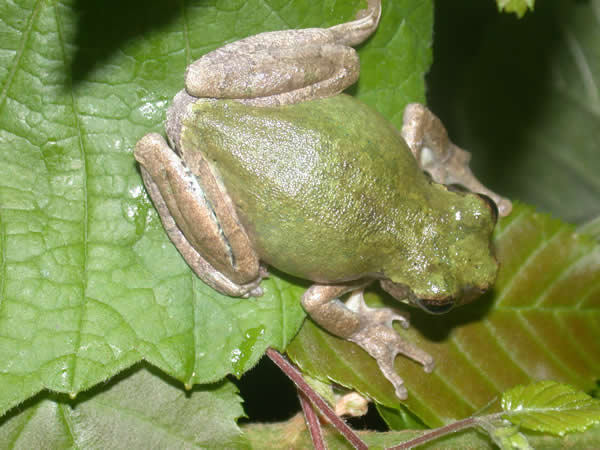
509, 438
539, 321
394, 61
519, 7
591, 228
399, 418
550, 407
139, 410
89, 282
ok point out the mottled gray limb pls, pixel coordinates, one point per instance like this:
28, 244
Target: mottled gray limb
446, 163
284, 67
370, 328
233, 258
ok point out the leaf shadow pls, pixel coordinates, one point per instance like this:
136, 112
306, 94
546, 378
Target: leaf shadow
489, 81
437, 328
105, 27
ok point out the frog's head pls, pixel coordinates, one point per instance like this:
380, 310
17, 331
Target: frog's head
451, 260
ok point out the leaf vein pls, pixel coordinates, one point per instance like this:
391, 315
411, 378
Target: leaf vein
85, 221
20, 53
521, 268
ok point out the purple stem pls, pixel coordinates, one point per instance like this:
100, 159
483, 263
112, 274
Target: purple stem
438, 432
294, 374
312, 422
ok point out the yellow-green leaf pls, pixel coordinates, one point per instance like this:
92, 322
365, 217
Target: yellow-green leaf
550, 407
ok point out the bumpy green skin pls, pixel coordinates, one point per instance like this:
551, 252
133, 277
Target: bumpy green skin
328, 190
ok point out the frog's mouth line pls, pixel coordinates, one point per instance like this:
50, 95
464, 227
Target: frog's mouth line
435, 306
405, 294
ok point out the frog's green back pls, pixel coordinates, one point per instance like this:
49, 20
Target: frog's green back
324, 188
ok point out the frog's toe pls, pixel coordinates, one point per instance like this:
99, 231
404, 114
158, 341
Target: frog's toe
386, 316
263, 272
377, 336
256, 292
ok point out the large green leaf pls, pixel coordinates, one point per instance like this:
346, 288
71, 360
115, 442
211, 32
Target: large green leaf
122, 414
89, 282
539, 322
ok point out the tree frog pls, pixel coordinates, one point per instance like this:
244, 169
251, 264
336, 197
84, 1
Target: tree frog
268, 163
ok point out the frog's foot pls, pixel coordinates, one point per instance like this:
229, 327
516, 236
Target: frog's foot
377, 336
370, 328
435, 153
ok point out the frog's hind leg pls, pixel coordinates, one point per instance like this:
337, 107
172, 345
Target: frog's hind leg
199, 220
370, 328
251, 71
284, 67
435, 153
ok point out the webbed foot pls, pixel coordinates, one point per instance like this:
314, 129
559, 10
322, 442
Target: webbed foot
378, 338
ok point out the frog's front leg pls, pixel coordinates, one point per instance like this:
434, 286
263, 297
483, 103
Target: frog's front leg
446, 163
370, 328
199, 219
284, 67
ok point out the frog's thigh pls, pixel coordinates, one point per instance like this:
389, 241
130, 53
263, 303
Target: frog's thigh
370, 328
321, 302
205, 245
447, 163
264, 76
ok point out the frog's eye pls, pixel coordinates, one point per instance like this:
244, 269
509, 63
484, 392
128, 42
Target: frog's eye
435, 307
492, 205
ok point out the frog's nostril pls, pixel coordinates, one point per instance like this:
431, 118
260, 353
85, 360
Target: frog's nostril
435, 307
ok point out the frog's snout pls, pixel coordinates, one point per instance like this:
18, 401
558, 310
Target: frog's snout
442, 306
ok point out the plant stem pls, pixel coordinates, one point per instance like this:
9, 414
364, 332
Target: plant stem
294, 374
312, 422
438, 432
